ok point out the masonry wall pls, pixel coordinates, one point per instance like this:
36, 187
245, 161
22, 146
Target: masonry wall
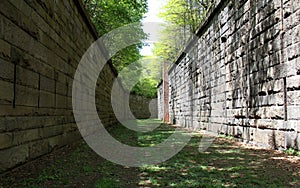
143, 108
41, 44
241, 76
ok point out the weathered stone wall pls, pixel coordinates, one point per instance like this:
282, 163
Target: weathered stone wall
41, 44
143, 108
241, 76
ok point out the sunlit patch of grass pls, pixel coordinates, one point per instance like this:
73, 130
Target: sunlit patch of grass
222, 165
291, 151
155, 137
234, 151
149, 182
152, 168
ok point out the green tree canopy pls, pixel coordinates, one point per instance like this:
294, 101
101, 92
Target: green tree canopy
108, 15
182, 18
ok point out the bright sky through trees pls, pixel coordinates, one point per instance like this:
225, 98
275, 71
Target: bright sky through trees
154, 7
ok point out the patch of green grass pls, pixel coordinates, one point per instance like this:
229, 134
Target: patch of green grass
106, 183
87, 169
228, 137
291, 151
222, 165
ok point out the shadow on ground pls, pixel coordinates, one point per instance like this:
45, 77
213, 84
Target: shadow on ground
225, 164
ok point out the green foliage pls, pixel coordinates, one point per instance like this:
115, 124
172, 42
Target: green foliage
224, 164
182, 18
111, 14
291, 151
147, 72
151, 73
106, 183
145, 87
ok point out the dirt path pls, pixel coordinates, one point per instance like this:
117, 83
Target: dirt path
224, 164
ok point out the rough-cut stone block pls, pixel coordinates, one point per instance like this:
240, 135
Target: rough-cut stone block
4, 49
21, 137
293, 83
13, 156
7, 70
51, 131
56, 142
47, 84
264, 137
293, 98
39, 148
293, 112
6, 92
47, 100
61, 88
70, 127
61, 101
5, 140
26, 77
26, 96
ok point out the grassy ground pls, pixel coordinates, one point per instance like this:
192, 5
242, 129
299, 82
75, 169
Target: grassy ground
224, 164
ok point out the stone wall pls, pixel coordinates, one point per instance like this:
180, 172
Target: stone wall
241, 75
41, 44
143, 108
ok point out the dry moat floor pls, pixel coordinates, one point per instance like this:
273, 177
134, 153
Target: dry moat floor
225, 164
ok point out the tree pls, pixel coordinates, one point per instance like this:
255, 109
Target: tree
182, 18
148, 75
108, 15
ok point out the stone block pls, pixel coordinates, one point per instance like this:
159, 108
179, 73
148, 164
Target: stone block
71, 137
61, 88
292, 52
55, 142
70, 127
293, 83
36, 65
291, 18
22, 137
47, 100
267, 124
19, 19
4, 49
12, 124
6, 92
293, 98
61, 101
22, 7
47, 84
38, 148
272, 112
263, 137
51, 131
5, 140
293, 112
26, 96
7, 70
26, 77
13, 156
